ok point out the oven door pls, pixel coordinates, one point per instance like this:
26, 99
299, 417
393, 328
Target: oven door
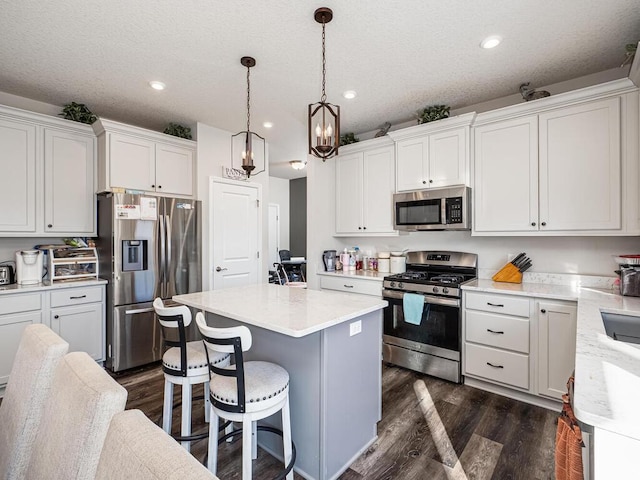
438, 332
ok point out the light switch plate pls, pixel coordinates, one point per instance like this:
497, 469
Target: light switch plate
355, 328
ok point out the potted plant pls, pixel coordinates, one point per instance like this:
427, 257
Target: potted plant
78, 112
348, 138
433, 113
178, 130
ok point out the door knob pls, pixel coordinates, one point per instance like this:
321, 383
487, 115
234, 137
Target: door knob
218, 269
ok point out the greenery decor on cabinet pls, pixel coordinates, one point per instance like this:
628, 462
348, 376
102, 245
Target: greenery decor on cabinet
78, 112
348, 138
433, 113
178, 130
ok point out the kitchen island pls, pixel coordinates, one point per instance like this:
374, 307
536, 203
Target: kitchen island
330, 343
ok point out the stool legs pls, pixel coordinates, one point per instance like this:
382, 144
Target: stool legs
186, 414
212, 462
167, 409
254, 440
247, 437
207, 403
286, 436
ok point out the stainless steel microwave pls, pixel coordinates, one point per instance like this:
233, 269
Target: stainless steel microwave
446, 208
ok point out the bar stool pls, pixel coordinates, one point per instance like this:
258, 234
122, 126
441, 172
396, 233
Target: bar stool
184, 363
247, 393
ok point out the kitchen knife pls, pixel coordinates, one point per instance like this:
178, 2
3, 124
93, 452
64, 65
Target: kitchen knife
517, 258
526, 266
522, 261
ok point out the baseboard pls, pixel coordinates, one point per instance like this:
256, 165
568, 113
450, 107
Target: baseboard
298, 470
548, 403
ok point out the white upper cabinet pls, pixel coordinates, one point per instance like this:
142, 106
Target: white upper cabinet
568, 167
365, 184
580, 163
48, 172
18, 179
434, 154
69, 188
138, 159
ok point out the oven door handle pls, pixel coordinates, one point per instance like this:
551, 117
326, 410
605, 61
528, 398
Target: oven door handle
394, 294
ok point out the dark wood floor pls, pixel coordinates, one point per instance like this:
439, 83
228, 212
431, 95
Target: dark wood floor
430, 429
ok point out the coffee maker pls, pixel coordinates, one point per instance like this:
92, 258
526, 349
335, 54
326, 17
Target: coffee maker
29, 266
329, 259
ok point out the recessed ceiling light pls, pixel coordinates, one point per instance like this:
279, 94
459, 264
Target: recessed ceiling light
267, 124
157, 85
349, 94
491, 42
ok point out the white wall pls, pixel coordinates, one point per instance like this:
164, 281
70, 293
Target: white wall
279, 194
214, 152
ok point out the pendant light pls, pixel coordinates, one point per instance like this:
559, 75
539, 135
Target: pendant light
324, 118
253, 144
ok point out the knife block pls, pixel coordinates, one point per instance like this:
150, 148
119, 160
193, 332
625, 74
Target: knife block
509, 274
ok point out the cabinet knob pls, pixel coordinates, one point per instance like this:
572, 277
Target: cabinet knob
364, 228
533, 224
56, 316
159, 186
543, 311
544, 224
153, 186
430, 181
49, 226
359, 228
424, 182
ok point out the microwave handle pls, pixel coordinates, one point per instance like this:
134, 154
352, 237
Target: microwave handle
443, 211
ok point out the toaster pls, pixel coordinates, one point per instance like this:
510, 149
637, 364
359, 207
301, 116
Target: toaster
7, 275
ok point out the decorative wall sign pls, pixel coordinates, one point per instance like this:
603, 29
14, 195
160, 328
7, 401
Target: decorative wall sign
234, 173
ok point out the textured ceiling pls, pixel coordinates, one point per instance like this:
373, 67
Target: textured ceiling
398, 55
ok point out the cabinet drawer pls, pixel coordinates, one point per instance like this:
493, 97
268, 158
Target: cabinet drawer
499, 331
75, 296
508, 367
506, 304
20, 303
352, 285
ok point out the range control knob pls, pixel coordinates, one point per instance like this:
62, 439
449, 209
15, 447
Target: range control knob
445, 290
400, 285
392, 284
436, 289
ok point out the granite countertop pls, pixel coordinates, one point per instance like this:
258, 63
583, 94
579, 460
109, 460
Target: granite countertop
48, 285
607, 371
292, 311
363, 274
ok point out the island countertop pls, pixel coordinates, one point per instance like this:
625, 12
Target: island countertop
291, 311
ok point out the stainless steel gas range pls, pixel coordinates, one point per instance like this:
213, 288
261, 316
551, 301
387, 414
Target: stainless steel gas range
426, 338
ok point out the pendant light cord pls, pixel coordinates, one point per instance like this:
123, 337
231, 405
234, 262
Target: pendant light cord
323, 99
248, 100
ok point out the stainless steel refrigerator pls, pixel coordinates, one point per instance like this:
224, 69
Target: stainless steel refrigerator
148, 247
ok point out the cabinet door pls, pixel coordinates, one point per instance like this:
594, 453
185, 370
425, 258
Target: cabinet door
82, 327
378, 188
11, 328
411, 158
174, 170
349, 193
69, 198
448, 158
18, 178
556, 347
131, 162
506, 176
580, 184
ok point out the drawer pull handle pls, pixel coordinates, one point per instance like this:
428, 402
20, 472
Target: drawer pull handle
495, 304
348, 286
493, 331
77, 298
56, 316
543, 311
494, 366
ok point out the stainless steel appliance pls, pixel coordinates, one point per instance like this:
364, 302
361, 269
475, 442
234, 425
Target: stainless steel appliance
7, 275
447, 208
433, 345
148, 247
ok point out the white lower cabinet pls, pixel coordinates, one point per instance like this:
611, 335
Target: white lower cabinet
520, 343
349, 284
556, 346
77, 314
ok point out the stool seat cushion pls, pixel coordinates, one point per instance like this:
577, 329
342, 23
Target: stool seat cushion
196, 357
263, 381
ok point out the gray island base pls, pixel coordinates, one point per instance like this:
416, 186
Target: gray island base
335, 374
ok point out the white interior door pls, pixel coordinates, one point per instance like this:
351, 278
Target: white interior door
235, 234
274, 234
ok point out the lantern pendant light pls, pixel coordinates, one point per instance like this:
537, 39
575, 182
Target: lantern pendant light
324, 118
250, 139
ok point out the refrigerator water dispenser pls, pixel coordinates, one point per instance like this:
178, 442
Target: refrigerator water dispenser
134, 255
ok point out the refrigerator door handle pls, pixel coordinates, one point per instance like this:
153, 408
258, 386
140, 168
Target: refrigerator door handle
167, 219
139, 310
162, 256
